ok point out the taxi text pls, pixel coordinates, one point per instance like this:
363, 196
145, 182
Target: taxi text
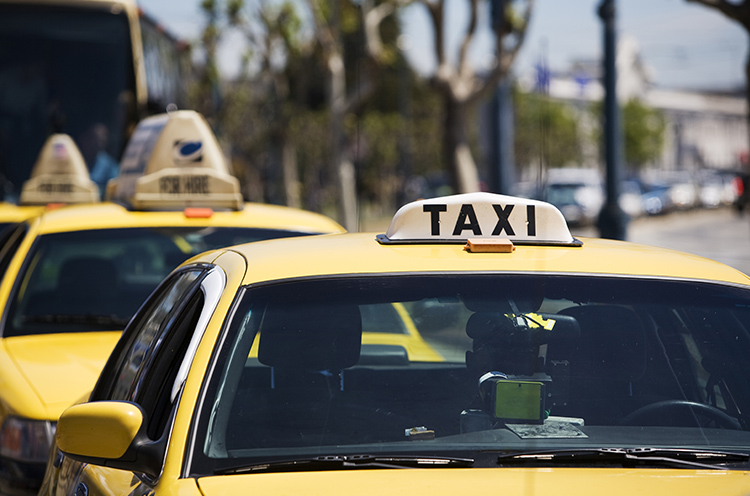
467, 220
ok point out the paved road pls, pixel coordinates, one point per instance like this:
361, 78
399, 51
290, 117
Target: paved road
720, 234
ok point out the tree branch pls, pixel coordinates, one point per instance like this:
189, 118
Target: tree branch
739, 12
505, 55
435, 9
326, 38
372, 17
728, 9
463, 64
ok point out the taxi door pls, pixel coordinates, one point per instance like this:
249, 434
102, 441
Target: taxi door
146, 368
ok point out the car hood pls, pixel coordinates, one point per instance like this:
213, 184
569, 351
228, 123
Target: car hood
60, 368
484, 481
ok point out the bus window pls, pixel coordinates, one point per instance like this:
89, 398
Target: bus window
71, 66
165, 61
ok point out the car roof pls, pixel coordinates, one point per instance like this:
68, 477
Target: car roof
10, 212
111, 215
474, 233
361, 253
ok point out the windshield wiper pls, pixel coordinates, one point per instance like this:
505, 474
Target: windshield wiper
335, 462
673, 457
87, 319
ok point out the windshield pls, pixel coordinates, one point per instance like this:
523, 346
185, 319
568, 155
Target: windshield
519, 363
68, 70
96, 280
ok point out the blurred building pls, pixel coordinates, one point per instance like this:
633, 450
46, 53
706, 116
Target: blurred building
705, 129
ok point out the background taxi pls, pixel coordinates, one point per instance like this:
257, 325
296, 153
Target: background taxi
74, 274
567, 366
11, 215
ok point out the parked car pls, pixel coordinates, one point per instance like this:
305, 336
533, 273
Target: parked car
578, 193
631, 198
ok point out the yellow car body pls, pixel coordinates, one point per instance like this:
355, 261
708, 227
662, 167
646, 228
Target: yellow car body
11, 215
51, 386
74, 270
44, 373
214, 425
403, 333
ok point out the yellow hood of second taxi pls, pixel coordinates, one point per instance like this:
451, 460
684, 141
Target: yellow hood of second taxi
60, 368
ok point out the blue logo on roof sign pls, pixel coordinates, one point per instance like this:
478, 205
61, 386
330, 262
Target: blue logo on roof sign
187, 152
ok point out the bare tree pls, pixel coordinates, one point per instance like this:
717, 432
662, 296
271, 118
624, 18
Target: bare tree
460, 84
326, 14
272, 31
204, 94
739, 12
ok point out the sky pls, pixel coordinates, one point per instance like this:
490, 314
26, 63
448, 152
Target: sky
684, 45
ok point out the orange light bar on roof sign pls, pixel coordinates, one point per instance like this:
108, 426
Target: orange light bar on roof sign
198, 212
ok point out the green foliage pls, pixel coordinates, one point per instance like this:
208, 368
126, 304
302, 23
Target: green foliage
350, 19
289, 26
234, 9
545, 130
203, 90
643, 129
390, 137
308, 131
514, 18
378, 135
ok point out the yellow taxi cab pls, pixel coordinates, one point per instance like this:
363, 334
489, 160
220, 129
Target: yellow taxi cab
11, 215
75, 270
567, 366
59, 150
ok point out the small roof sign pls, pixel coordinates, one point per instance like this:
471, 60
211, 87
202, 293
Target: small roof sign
59, 175
475, 216
173, 160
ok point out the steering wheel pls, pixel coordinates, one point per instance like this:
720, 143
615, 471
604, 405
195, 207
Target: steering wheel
681, 413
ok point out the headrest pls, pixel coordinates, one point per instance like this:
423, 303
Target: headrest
524, 302
612, 343
496, 329
310, 336
511, 343
489, 326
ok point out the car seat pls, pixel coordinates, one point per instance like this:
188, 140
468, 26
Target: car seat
307, 347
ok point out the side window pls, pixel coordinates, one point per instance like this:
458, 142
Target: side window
136, 348
152, 363
153, 390
12, 237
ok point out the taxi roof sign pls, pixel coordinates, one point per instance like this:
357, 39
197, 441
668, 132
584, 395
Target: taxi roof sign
59, 175
174, 160
458, 218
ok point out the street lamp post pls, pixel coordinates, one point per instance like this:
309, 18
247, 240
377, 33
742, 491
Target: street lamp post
501, 176
612, 222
